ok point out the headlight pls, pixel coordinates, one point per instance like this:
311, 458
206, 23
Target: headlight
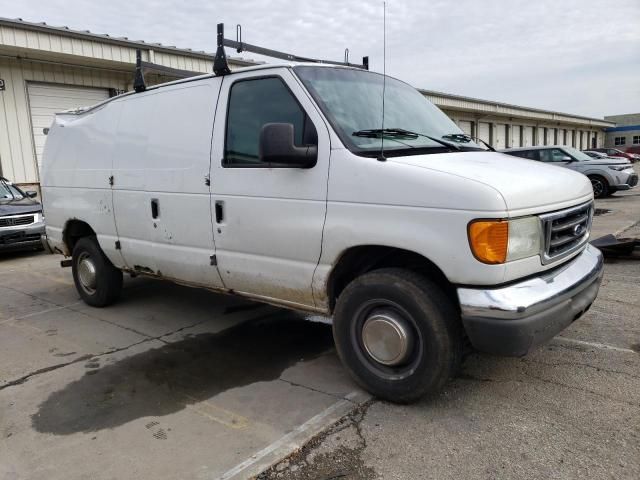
619, 168
500, 241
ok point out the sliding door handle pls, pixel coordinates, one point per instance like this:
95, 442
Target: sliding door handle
155, 208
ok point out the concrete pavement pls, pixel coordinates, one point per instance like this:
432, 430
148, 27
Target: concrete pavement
174, 382
570, 410
171, 382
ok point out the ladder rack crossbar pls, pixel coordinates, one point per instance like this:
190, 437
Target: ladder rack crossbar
247, 47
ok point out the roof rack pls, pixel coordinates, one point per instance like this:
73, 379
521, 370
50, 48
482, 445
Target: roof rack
220, 66
138, 80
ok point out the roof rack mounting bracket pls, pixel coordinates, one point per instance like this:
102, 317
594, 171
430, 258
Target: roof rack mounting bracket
138, 80
220, 66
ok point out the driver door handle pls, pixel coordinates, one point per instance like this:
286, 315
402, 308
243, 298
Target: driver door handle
219, 211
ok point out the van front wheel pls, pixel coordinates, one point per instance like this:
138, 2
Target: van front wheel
397, 334
98, 282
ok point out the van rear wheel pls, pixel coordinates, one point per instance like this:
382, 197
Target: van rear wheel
397, 334
98, 282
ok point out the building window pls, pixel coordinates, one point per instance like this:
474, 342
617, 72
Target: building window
619, 141
636, 139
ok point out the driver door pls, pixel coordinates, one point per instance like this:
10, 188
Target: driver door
268, 220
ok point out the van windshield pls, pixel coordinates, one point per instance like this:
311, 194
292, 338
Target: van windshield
351, 100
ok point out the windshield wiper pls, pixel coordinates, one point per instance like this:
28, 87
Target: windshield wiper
387, 132
463, 137
401, 133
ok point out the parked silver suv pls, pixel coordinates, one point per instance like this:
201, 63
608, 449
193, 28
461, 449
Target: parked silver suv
607, 175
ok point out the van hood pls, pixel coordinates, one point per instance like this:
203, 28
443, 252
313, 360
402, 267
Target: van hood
523, 184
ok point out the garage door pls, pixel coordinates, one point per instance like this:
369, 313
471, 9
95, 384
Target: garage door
550, 139
515, 136
465, 126
47, 99
527, 136
500, 136
483, 132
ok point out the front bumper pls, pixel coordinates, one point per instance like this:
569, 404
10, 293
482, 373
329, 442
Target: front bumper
28, 236
629, 181
512, 320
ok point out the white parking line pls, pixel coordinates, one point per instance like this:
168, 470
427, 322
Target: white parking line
602, 346
310, 424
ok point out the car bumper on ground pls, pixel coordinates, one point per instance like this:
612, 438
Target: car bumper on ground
511, 320
22, 236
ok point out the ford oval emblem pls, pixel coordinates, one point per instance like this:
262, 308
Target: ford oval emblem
577, 230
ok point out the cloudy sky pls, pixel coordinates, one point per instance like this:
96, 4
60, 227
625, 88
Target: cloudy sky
576, 56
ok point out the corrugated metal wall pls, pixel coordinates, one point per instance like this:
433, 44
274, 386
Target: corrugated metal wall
522, 132
97, 47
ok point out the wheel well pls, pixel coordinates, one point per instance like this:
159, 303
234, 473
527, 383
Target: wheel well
74, 230
590, 175
358, 260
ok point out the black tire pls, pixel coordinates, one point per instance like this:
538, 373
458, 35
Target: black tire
435, 353
107, 279
600, 186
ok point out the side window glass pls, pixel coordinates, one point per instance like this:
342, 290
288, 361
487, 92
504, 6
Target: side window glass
525, 154
254, 103
558, 155
546, 155
532, 155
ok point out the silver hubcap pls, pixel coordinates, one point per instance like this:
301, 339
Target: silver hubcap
387, 338
87, 273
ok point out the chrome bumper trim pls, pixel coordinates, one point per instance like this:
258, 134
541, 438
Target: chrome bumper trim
523, 299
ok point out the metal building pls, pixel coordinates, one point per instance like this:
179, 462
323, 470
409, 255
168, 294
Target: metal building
625, 134
504, 125
45, 69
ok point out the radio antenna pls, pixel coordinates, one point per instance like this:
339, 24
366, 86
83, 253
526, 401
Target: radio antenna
382, 158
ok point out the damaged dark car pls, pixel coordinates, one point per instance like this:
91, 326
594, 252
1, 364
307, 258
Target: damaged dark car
21, 218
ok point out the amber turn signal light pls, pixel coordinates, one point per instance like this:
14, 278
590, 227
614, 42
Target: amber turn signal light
489, 240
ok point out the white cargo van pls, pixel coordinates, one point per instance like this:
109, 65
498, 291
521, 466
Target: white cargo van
269, 183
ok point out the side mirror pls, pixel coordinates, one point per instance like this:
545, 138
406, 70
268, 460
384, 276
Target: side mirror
31, 193
277, 147
567, 158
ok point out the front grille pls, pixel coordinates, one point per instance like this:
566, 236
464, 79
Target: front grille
565, 231
16, 221
633, 180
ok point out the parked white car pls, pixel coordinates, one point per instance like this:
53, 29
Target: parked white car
277, 183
